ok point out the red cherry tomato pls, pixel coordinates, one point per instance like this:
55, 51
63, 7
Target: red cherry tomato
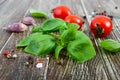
74, 19
101, 26
61, 12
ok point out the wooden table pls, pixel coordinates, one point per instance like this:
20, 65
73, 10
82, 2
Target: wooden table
105, 66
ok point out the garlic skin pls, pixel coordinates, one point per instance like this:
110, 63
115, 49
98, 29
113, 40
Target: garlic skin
28, 20
17, 27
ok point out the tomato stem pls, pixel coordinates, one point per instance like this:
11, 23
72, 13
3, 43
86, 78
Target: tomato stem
99, 30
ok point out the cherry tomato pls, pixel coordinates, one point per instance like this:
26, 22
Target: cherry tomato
74, 19
101, 26
61, 12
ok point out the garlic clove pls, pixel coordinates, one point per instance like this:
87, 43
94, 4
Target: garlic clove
17, 27
28, 20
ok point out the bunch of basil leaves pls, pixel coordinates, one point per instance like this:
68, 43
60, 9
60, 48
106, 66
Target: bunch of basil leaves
55, 35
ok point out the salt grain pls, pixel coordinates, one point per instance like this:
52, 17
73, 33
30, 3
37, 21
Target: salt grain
9, 56
93, 13
14, 56
99, 6
39, 65
47, 58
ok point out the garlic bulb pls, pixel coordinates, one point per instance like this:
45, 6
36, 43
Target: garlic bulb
17, 27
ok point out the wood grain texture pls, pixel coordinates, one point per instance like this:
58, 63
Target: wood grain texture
107, 58
105, 66
11, 11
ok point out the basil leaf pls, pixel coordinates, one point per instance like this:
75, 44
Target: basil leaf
81, 49
110, 45
67, 36
82, 36
36, 29
62, 28
25, 41
41, 46
52, 25
37, 14
57, 51
69, 25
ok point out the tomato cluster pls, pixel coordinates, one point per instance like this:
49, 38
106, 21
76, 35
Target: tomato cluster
100, 26
65, 13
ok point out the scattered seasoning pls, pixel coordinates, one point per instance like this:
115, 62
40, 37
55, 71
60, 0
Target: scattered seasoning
14, 56
39, 65
102, 13
29, 57
90, 16
83, 22
5, 53
116, 7
105, 12
60, 62
29, 61
97, 13
91, 38
93, 13
47, 58
9, 56
111, 17
99, 6
84, 17
12, 50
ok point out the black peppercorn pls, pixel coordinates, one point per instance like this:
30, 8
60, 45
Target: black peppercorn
84, 17
116, 7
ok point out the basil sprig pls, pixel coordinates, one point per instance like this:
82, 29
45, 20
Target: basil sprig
44, 40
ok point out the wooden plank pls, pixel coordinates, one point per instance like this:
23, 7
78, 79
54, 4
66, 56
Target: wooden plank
16, 69
110, 61
105, 66
69, 69
11, 11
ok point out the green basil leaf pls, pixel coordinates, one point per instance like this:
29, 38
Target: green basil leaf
110, 45
57, 51
41, 46
25, 41
82, 36
62, 28
67, 36
37, 14
52, 25
69, 25
81, 49
37, 29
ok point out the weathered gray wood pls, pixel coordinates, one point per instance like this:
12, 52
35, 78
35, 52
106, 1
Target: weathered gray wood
11, 11
69, 69
109, 61
16, 69
105, 66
